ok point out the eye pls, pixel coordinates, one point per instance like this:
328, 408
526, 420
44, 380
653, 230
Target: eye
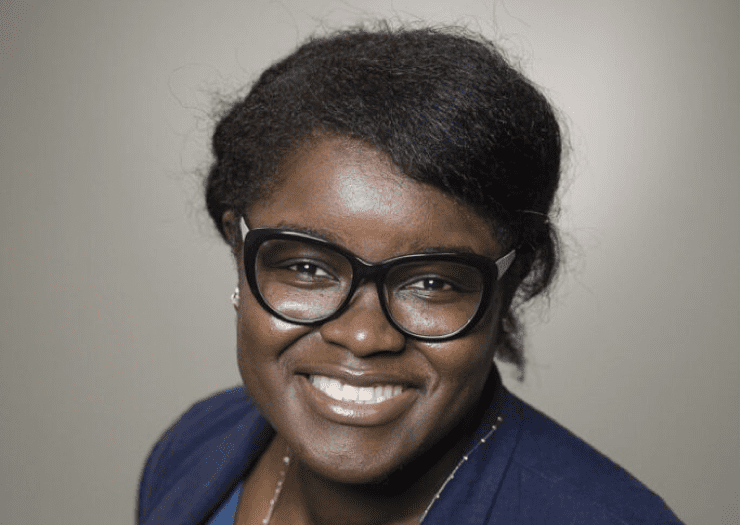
431, 284
308, 269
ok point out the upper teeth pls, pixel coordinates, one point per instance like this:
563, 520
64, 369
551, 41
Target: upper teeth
340, 391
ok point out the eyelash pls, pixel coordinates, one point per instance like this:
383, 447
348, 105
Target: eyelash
446, 284
301, 268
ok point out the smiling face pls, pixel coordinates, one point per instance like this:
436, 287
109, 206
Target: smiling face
353, 397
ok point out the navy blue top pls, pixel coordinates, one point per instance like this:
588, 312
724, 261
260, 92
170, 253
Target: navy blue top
531, 471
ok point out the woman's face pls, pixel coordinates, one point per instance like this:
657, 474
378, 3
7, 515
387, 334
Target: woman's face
351, 195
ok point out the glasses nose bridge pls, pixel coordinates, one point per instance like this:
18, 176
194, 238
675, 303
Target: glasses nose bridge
365, 272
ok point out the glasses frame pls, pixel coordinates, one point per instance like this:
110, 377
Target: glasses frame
363, 271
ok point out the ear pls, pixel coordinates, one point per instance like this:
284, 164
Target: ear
230, 229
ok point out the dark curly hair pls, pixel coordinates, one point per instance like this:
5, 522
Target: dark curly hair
447, 109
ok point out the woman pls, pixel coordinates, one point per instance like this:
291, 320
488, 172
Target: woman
386, 196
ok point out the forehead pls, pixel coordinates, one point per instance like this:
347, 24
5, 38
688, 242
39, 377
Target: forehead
351, 194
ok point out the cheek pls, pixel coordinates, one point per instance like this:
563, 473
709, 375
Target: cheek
465, 363
261, 339
459, 360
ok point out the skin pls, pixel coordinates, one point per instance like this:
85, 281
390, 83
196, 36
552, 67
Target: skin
343, 470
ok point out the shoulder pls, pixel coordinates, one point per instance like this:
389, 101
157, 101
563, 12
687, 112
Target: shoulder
203, 421
558, 473
201, 456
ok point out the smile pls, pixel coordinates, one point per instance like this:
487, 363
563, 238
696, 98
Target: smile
340, 391
366, 403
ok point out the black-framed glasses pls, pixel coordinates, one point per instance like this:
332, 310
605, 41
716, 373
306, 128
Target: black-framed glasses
305, 280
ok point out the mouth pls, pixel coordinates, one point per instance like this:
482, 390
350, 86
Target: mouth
367, 395
342, 402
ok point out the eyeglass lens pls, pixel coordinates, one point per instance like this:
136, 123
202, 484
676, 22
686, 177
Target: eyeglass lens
307, 282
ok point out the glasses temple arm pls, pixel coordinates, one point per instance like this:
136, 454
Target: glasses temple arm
243, 229
504, 263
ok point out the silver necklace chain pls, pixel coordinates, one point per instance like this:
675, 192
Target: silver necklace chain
278, 488
460, 463
287, 461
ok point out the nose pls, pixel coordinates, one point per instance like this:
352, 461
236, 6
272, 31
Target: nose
363, 328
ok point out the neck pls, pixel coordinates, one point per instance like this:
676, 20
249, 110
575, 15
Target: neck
400, 499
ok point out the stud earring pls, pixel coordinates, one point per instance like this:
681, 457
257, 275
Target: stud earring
235, 297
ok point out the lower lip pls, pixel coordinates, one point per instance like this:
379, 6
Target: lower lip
357, 414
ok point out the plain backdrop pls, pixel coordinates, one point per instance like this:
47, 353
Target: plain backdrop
114, 287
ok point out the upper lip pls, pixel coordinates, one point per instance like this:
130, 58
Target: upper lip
358, 378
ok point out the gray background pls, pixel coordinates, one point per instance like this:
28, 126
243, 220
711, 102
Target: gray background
114, 289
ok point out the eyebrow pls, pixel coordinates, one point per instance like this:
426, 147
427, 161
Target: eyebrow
417, 246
